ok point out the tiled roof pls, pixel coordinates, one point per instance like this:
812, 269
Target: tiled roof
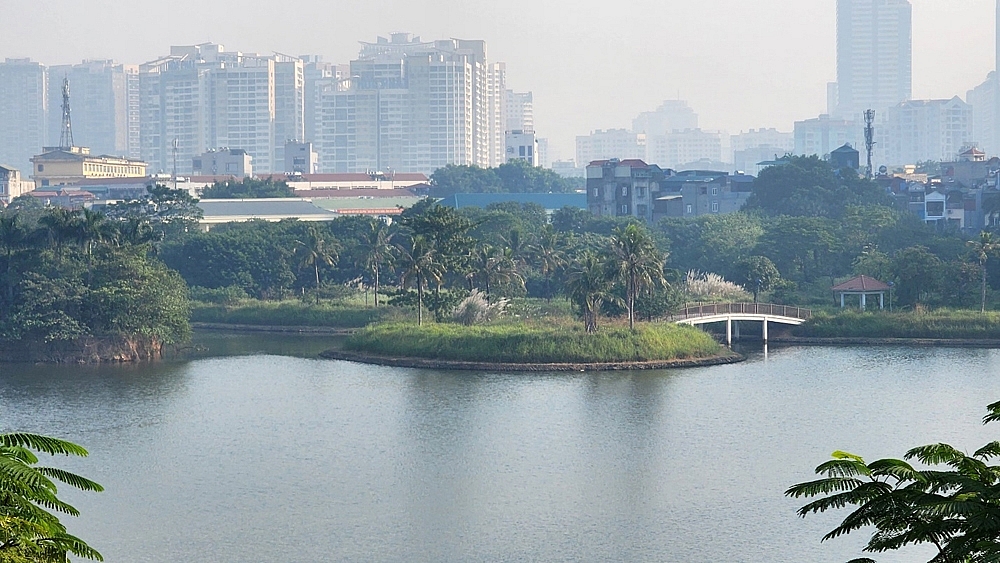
861, 283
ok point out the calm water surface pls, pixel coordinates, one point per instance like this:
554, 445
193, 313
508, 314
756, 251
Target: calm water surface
271, 457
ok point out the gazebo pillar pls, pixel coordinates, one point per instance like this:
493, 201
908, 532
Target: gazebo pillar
863, 301
881, 300
841, 299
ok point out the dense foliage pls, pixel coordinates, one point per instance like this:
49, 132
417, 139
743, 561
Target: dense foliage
948, 501
516, 176
65, 275
248, 188
30, 530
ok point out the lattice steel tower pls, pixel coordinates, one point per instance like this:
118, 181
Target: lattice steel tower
66, 135
870, 139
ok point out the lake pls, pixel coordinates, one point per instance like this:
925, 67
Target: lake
253, 451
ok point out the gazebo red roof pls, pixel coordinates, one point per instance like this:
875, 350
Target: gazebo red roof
861, 283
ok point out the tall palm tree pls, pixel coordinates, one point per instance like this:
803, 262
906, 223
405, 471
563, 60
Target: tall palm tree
13, 237
635, 262
589, 287
90, 227
420, 264
376, 250
29, 527
983, 248
495, 266
60, 224
316, 250
547, 256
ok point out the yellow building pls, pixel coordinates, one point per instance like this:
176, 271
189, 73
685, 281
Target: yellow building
58, 166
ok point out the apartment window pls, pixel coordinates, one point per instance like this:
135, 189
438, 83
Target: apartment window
715, 191
703, 190
688, 209
624, 191
597, 192
41, 168
715, 207
640, 210
641, 192
625, 209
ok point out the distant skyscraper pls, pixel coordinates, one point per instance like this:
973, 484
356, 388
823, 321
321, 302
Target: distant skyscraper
873, 55
410, 105
922, 130
207, 98
520, 111
105, 102
672, 115
611, 143
985, 102
23, 112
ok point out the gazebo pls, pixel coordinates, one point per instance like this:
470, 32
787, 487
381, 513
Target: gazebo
863, 286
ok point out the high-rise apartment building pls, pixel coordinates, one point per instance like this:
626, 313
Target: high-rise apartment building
985, 102
922, 130
672, 115
412, 105
23, 112
679, 148
520, 111
824, 134
104, 97
608, 144
873, 55
203, 97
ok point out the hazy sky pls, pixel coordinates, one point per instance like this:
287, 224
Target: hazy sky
591, 65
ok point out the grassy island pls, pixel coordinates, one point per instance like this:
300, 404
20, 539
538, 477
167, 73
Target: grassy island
534, 343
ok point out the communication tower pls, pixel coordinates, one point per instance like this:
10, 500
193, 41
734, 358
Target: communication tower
66, 135
869, 139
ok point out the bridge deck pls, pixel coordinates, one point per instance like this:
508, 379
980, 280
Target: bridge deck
730, 309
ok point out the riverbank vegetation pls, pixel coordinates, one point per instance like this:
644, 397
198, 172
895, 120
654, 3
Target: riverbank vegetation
551, 342
79, 277
939, 324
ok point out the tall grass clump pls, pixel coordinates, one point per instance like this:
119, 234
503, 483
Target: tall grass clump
944, 324
531, 343
709, 287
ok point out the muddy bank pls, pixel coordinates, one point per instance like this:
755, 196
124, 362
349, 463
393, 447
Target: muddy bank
89, 350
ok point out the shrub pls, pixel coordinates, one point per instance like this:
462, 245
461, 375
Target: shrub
475, 309
705, 286
219, 296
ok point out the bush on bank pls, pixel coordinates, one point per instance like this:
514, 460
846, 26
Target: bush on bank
944, 323
533, 343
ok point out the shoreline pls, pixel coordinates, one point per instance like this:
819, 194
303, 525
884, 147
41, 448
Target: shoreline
426, 363
874, 341
301, 329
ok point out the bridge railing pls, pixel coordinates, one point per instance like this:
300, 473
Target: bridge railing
713, 309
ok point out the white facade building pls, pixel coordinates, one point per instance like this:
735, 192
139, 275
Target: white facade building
23, 112
921, 130
521, 145
104, 98
679, 148
874, 59
413, 105
985, 102
223, 162
202, 96
824, 134
610, 143
672, 115
758, 145
519, 110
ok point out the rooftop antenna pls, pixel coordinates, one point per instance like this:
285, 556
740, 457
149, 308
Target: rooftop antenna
66, 135
175, 144
869, 139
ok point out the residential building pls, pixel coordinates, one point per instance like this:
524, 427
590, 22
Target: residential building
58, 166
300, 158
753, 146
104, 97
519, 111
874, 59
823, 134
11, 184
202, 96
609, 144
521, 145
845, 157
223, 162
23, 111
985, 102
682, 147
413, 105
568, 169
622, 188
544, 152
922, 130
701, 192
672, 115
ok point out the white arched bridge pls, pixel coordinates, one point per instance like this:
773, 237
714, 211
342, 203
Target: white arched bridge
732, 313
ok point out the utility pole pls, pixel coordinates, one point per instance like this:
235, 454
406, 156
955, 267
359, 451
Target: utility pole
870, 139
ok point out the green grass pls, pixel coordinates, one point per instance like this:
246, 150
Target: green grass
293, 312
945, 323
552, 342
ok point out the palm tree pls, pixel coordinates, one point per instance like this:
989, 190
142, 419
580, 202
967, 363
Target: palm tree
60, 224
13, 237
495, 266
982, 248
376, 250
589, 286
419, 264
635, 262
547, 256
29, 529
90, 227
316, 250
